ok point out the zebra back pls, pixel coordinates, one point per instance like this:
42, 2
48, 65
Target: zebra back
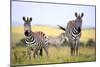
37, 39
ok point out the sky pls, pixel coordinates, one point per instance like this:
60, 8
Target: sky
51, 14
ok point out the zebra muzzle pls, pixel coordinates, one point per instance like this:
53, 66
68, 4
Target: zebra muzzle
79, 29
26, 33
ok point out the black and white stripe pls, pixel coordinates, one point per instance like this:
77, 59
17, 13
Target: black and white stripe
73, 33
34, 40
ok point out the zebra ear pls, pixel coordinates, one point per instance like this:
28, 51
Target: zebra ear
30, 19
24, 18
82, 14
75, 14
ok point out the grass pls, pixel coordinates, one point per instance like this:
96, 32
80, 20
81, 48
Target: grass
88, 34
55, 56
50, 31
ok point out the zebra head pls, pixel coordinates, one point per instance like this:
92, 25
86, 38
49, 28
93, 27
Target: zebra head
27, 25
78, 20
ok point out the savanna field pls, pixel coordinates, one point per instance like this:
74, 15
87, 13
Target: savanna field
61, 55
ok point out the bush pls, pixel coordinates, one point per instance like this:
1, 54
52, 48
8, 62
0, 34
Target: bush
82, 44
91, 43
21, 42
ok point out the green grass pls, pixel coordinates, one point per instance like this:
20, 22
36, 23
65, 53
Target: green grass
19, 56
55, 56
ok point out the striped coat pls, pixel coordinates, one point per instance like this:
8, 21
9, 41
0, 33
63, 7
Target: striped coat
73, 33
34, 40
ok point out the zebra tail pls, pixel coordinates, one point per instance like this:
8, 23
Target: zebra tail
62, 28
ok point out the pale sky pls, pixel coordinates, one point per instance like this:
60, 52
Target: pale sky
51, 14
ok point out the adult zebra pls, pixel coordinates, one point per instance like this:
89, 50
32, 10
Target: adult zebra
73, 33
34, 40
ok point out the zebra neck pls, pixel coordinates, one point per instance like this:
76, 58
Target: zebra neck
76, 30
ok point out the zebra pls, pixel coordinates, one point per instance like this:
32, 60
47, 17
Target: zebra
34, 40
73, 33
57, 41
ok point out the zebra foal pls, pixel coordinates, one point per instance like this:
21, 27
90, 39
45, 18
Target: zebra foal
35, 41
73, 33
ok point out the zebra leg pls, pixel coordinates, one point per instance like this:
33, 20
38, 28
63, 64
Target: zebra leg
29, 52
74, 50
41, 52
45, 49
77, 46
35, 52
71, 49
77, 52
74, 47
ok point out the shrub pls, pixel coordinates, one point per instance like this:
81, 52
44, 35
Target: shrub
82, 44
21, 42
90, 43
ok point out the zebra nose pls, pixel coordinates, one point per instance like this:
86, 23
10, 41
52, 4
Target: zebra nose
26, 33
